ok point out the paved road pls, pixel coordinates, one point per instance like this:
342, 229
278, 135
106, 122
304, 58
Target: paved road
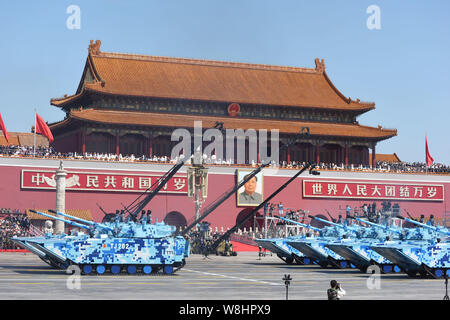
245, 277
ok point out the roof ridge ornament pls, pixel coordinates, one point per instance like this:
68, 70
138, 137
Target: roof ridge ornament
320, 65
94, 47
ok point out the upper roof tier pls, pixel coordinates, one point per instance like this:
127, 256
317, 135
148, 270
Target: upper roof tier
206, 80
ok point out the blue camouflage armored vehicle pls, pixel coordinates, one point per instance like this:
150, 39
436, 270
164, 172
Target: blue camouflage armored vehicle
116, 246
315, 247
423, 251
283, 250
357, 249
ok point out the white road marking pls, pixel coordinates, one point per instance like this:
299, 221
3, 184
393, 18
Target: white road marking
232, 277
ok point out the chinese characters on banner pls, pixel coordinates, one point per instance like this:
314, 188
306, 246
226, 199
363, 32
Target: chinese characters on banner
94, 181
372, 190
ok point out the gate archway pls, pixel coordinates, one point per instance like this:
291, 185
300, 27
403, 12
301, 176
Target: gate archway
250, 222
175, 218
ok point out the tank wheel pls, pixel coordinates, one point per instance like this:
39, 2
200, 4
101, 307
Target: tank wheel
131, 269
447, 272
411, 274
168, 269
289, 260
363, 268
115, 269
147, 269
100, 269
306, 261
87, 269
397, 269
438, 273
387, 268
343, 264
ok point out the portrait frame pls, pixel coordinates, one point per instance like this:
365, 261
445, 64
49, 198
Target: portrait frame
240, 174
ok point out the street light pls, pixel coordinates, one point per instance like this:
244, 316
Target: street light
197, 181
287, 281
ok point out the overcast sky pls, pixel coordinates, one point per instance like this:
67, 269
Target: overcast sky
401, 63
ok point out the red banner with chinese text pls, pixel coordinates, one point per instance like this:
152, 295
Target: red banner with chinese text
95, 181
372, 190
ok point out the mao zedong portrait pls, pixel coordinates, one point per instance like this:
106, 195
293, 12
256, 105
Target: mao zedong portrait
249, 196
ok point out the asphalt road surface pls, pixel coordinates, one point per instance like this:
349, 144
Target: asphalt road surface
243, 277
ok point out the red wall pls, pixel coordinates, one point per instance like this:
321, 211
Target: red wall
11, 196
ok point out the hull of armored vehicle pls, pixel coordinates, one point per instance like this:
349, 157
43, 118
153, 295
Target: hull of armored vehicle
283, 250
362, 256
316, 249
100, 255
418, 257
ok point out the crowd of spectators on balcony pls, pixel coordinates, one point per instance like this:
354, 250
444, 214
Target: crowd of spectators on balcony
12, 223
381, 166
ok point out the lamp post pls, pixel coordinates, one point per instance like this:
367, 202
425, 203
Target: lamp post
60, 196
197, 181
287, 281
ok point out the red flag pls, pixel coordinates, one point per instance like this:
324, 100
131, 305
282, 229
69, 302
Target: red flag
428, 157
42, 128
3, 128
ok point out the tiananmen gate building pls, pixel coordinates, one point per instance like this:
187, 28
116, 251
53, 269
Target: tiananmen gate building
130, 104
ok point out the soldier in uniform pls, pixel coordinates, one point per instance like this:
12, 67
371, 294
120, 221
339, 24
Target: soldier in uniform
431, 221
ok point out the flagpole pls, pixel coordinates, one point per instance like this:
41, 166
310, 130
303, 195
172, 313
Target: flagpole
34, 140
426, 162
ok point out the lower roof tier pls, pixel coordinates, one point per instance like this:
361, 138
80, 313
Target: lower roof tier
147, 119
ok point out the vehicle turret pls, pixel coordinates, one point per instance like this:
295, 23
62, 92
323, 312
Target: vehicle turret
386, 228
440, 230
300, 224
342, 226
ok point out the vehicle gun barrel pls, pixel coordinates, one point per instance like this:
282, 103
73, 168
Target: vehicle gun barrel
332, 223
61, 219
92, 223
386, 228
436, 229
299, 223
72, 217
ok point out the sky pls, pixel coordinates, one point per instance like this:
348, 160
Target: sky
402, 64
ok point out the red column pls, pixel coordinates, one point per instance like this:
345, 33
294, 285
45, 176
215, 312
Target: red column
366, 156
346, 155
117, 143
150, 146
288, 154
373, 156
317, 154
258, 158
83, 141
